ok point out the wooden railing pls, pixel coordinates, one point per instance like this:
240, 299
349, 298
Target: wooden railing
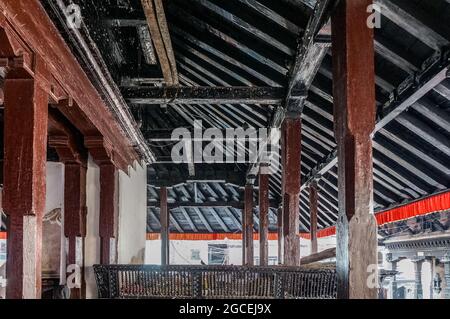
209, 282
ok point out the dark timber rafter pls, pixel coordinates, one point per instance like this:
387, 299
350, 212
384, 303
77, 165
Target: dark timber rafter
204, 95
411, 24
210, 204
404, 96
156, 19
308, 59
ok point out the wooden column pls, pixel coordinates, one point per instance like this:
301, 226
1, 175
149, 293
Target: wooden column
313, 198
25, 153
354, 114
291, 134
71, 152
394, 279
108, 212
280, 235
263, 219
75, 212
446, 261
418, 289
247, 227
165, 227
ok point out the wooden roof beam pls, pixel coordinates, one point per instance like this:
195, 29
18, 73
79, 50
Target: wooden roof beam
156, 19
204, 95
404, 96
308, 59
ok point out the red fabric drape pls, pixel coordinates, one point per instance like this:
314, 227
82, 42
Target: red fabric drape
425, 206
321, 233
207, 236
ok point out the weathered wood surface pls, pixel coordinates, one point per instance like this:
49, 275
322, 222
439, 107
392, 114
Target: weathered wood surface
25, 154
108, 213
263, 219
313, 201
156, 20
204, 95
247, 227
291, 159
165, 226
26, 20
325, 254
354, 113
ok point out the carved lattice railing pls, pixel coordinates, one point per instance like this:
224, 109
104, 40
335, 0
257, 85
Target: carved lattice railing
151, 281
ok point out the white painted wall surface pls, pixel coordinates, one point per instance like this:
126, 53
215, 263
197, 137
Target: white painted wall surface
54, 199
54, 186
92, 241
132, 215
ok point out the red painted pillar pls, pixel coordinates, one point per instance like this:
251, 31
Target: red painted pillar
280, 235
247, 227
75, 225
165, 227
263, 219
108, 205
313, 197
354, 114
25, 153
291, 134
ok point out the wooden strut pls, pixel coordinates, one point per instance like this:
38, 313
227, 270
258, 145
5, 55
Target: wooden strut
318, 256
156, 20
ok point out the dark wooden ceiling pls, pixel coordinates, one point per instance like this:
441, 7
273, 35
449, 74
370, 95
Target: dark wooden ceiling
254, 43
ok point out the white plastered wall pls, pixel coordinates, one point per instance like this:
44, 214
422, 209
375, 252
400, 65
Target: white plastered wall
132, 215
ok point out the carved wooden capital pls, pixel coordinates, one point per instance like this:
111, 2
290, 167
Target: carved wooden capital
100, 149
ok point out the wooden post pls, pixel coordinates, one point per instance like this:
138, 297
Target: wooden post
418, 289
280, 235
165, 230
75, 223
25, 153
247, 227
108, 212
263, 219
446, 261
354, 114
291, 134
313, 216
74, 156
